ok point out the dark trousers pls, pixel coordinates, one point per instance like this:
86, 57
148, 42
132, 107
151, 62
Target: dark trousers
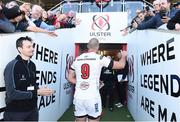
121, 88
107, 90
32, 115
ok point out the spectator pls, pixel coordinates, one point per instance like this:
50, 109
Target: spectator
159, 19
62, 20
72, 18
15, 15
177, 5
148, 13
44, 16
140, 17
26, 8
156, 6
21, 87
36, 15
107, 76
102, 3
67, 20
174, 23
71, 15
51, 17
5, 25
138, 11
11, 4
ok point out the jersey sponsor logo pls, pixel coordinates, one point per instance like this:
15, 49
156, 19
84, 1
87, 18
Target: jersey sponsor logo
84, 85
108, 72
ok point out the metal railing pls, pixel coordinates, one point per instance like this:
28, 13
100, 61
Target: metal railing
59, 6
113, 6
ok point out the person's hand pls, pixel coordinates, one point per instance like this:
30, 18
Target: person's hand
52, 33
134, 24
177, 26
77, 21
45, 91
165, 19
124, 53
124, 32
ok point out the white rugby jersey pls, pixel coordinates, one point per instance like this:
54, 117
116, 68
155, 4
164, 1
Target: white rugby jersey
88, 67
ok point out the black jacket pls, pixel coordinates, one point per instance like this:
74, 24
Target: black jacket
107, 75
19, 75
172, 22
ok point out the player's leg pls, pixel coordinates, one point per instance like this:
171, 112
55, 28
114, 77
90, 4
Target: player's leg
79, 110
92, 119
81, 118
94, 109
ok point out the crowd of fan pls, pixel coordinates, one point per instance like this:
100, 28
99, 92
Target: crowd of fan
164, 15
19, 18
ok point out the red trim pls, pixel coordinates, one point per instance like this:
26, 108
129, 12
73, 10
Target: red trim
77, 48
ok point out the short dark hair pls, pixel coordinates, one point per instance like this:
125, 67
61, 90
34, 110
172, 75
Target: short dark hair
19, 42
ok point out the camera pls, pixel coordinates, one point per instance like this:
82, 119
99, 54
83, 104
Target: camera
147, 8
163, 13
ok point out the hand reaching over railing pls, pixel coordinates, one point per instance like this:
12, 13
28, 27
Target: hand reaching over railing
52, 33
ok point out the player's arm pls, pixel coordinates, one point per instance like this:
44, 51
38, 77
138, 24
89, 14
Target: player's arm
72, 76
122, 61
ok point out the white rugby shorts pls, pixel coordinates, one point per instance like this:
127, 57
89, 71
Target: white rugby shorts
90, 107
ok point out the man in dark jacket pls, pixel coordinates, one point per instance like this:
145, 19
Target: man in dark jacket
159, 19
21, 86
121, 85
174, 23
5, 25
108, 78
